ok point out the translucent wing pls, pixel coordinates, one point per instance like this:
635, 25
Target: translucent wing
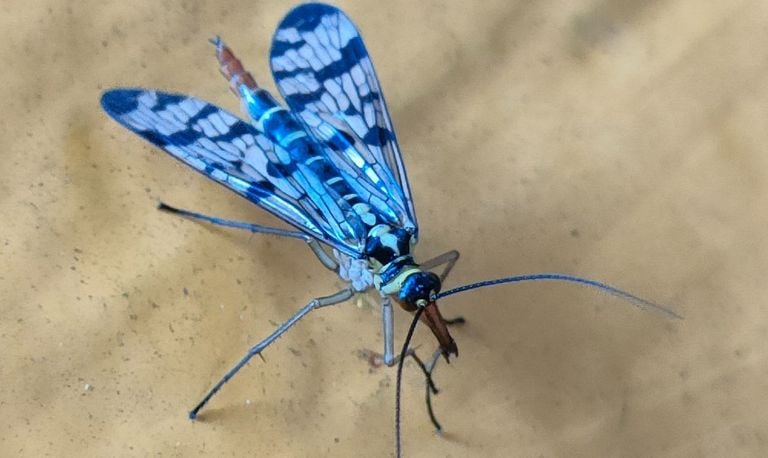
233, 153
323, 71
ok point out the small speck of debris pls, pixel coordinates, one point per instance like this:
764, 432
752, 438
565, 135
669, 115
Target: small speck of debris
575, 233
248, 402
88, 387
336, 439
221, 306
186, 291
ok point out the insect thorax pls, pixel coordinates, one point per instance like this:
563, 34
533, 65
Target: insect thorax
388, 250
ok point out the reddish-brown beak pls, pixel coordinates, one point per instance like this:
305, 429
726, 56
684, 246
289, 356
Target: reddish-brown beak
436, 323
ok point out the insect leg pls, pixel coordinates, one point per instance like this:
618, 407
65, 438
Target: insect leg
256, 228
430, 389
389, 357
448, 258
322, 255
325, 259
316, 303
387, 320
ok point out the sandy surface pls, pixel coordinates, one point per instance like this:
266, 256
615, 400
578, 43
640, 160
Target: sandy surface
619, 140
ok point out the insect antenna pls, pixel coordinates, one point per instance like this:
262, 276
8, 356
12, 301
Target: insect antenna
399, 379
428, 368
603, 287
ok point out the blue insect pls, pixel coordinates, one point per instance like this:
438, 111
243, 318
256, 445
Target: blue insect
329, 165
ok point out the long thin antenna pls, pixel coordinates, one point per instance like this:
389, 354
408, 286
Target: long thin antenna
613, 291
399, 379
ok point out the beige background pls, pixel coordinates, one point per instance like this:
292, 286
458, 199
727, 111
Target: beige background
620, 140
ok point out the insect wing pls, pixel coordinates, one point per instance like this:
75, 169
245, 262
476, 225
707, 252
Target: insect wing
226, 149
323, 71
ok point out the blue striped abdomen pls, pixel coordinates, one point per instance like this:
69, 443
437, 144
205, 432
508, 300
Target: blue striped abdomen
304, 154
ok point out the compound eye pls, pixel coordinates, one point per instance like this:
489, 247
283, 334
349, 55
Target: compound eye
436, 284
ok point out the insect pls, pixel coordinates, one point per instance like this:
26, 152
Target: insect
329, 165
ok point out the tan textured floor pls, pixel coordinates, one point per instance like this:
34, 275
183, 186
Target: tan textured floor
617, 139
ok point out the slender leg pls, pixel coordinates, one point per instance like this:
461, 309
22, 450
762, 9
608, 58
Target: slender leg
387, 320
430, 389
314, 245
256, 228
322, 255
449, 258
389, 358
319, 302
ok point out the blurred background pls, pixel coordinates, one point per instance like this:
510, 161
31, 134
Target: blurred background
615, 139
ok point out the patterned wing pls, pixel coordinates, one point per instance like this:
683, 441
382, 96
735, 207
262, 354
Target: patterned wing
233, 153
323, 71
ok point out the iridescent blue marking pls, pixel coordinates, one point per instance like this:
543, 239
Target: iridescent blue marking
323, 71
394, 268
330, 165
420, 286
244, 160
